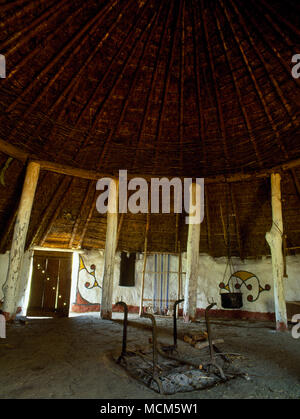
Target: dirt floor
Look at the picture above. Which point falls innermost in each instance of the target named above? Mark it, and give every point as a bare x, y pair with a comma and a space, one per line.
72, 358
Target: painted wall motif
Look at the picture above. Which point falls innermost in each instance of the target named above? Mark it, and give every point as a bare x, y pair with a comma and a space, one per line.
211, 272
88, 292
253, 276
245, 282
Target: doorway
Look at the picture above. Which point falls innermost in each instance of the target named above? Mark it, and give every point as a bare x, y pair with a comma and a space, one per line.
50, 284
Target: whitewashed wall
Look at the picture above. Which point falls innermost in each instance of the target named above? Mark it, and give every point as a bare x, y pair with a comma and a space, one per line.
211, 273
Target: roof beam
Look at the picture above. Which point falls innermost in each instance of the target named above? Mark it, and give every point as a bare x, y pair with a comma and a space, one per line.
68, 170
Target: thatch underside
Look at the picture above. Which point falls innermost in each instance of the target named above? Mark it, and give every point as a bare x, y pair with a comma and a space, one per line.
174, 88
64, 215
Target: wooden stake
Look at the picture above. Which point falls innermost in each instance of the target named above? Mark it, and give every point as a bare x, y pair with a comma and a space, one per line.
145, 262
190, 297
274, 239
179, 272
110, 251
179, 292
11, 287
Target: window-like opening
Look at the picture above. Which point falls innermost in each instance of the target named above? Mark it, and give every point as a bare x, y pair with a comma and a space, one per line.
127, 269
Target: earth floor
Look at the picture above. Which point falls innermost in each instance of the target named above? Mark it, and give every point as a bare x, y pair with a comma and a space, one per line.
71, 358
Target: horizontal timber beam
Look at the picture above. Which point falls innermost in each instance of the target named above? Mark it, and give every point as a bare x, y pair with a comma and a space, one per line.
68, 170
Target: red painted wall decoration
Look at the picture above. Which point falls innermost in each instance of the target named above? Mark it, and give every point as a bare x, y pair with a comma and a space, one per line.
88, 289
247, 283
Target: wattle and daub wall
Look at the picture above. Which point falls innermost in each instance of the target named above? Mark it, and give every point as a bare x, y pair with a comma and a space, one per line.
254, 280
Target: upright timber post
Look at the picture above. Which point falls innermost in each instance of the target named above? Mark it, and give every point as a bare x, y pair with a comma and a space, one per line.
12, 284
110, 250
274, 239
144, 265
190, 295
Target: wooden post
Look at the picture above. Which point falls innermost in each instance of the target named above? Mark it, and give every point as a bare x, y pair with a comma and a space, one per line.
144, 264
179, 279
179, 272
274, 239
110, 251
11, 287
190, 295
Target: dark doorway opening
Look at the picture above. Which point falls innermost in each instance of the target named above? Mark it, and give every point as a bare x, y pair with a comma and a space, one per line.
50, 284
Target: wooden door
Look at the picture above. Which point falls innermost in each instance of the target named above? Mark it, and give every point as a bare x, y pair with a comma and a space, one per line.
50, 284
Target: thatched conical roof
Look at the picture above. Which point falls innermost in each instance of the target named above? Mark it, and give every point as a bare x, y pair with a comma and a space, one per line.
173, 88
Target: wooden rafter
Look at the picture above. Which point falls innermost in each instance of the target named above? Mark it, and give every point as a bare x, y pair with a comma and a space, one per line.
198, 83
152, 84
216, 87
131, 88
165, 89
296, 181
87, 221
34, 103
110, 92
67, 184
54, 200
256, 85
181, 96
262, 60
239, 95
237, 220
86, 30
12, 4
67, 94
62, 6
54, 7
80, 213
75, 226
285, 21
272, 46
